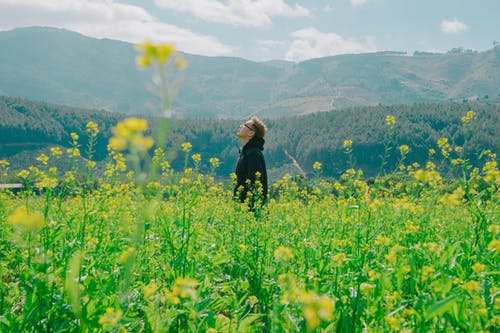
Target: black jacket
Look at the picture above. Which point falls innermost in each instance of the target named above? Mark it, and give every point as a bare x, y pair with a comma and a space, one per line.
250, 162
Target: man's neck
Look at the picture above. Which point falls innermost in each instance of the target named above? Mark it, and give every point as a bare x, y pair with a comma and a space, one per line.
244, 141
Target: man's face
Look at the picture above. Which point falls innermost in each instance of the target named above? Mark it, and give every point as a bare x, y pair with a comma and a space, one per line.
246, 129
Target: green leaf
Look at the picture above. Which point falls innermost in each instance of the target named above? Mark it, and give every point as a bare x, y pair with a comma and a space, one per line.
72, 283
440, 307
248, 323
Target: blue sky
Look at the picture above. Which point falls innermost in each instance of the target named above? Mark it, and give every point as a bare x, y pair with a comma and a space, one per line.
259, 30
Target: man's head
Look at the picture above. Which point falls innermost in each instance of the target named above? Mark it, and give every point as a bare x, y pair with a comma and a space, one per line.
253, 127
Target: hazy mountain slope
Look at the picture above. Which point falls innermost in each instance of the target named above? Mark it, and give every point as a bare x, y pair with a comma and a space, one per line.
60, 66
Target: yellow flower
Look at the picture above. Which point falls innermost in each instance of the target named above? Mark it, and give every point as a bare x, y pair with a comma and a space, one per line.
339, 258
92, 128
471, 286
110, 318
180, 63
47, 182
317, 166
403, 149
160, 53
196, 158
390, 120
134, 124
73, 152
56, 151
316, 308
427, 272
171, 298
128, 253
186, 147
23, 174
128, 134
141, 143
347, 144
153, 185
43, 159
69, 177
495, 229
283, 254
430, 177
478, 267
468, 117
150, 290
442, 142
430, 166
381, 240
214, 162
164, 51
453, 199
29, 221
4, 163
185, 288
394, 323
165, 166
143, 61
494, 245
491, 172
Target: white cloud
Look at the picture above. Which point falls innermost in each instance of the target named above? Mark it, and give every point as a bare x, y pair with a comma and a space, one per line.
357, 3
252, 13
453, 27
106, 19
310, 43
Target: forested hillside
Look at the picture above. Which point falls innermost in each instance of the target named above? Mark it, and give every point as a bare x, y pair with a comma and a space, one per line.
28, 128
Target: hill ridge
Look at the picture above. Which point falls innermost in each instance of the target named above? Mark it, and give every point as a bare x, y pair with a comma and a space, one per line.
65, 67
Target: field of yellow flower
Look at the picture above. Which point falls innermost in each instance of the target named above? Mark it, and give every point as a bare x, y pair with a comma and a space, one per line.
141, 248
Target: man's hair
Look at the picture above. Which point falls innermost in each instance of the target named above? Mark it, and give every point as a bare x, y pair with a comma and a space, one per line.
259, 127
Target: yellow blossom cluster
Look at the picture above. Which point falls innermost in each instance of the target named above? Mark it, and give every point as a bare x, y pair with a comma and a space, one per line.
129, 134
92, 129
159, 53
317, 166
26, 220
390, 120
283, 254
445, 147
347, 144
468, 117
315, 308
186, 147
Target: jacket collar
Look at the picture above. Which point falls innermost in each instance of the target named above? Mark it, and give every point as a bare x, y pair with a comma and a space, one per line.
254, 143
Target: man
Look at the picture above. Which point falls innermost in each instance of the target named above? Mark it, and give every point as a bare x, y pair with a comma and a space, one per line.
251, 173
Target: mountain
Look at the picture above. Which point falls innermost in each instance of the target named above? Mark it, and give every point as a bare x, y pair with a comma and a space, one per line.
64, 67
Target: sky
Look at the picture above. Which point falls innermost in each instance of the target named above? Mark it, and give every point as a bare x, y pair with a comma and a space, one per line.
261, 30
